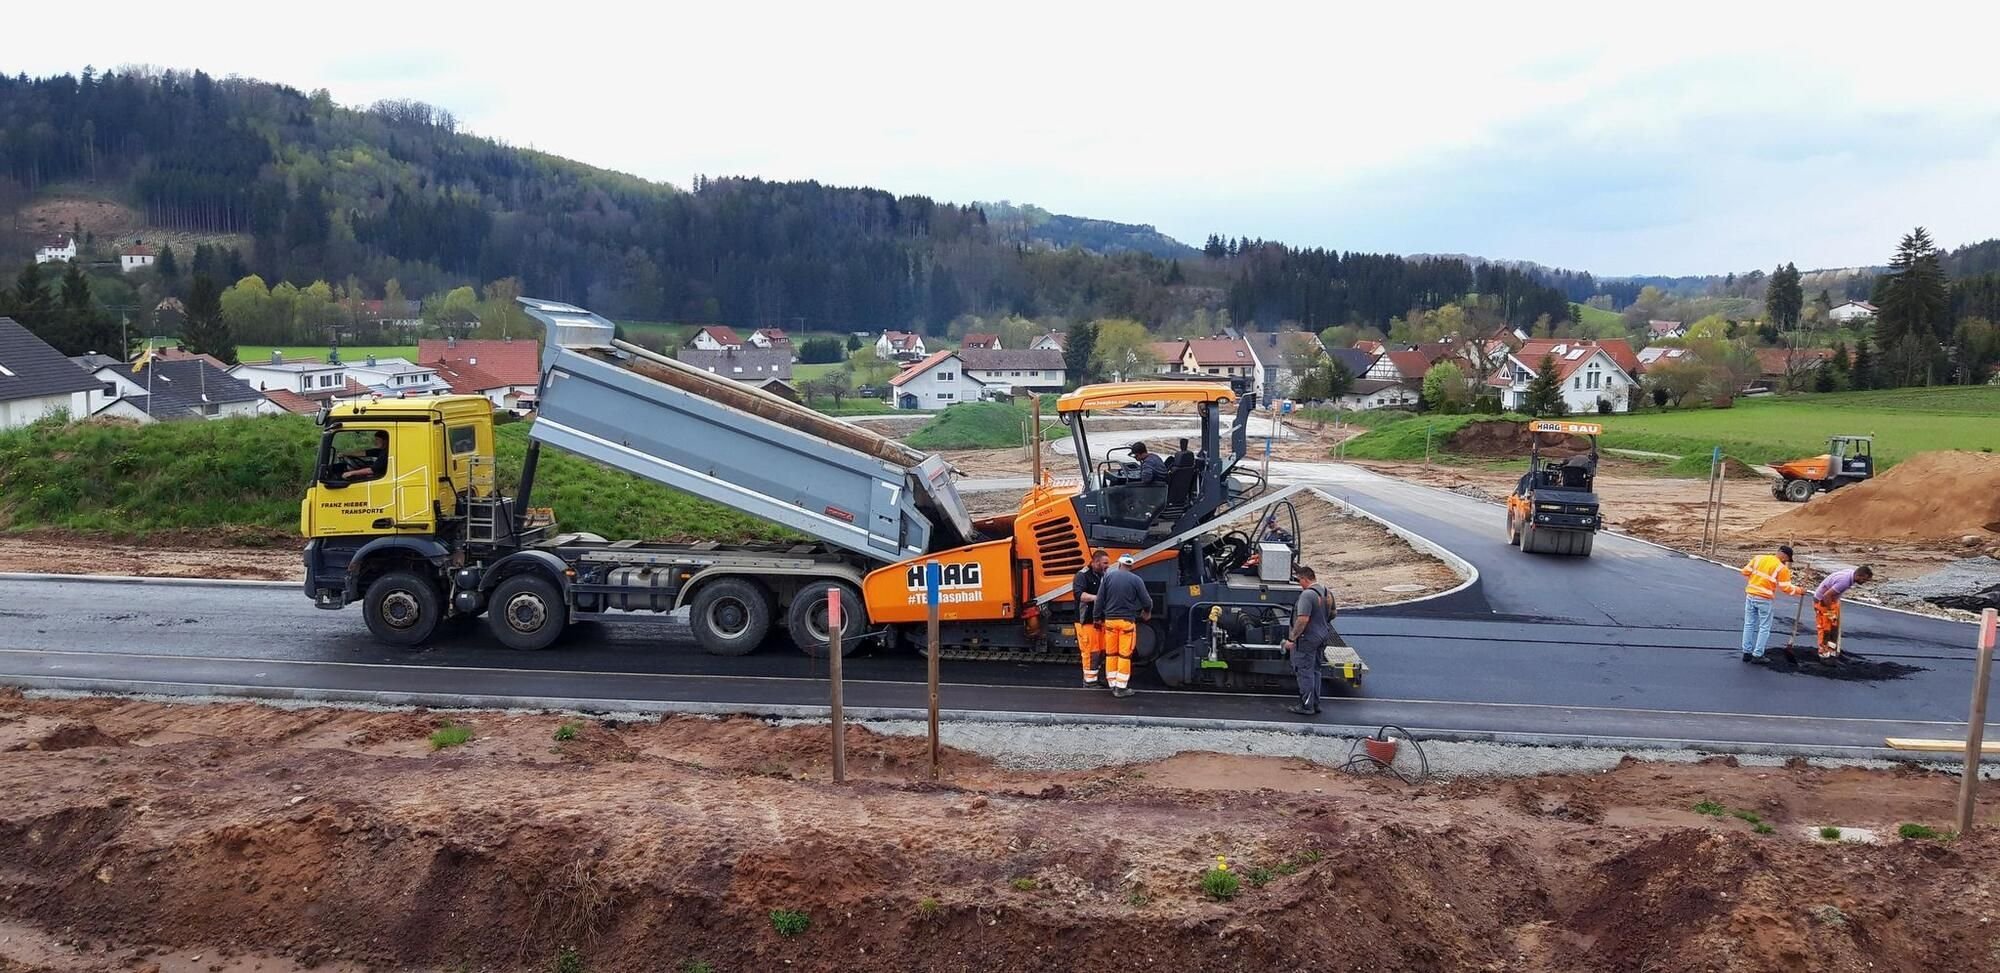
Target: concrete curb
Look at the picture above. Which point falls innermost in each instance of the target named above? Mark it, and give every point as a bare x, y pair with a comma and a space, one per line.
141, 579
1468, 574
440, 701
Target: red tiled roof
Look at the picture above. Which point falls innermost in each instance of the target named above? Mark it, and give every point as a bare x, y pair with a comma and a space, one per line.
1061, 338
1371, 347
467, 379
138, 250
512, 362
901, 339
1221, 352
1621, 352
1169, 352
775, 336
1412, 364
921, 367
292, 402
979, 340
1532, 352
179, 354
721, 333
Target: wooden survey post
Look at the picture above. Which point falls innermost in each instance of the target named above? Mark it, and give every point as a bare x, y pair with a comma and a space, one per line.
933, 578
833, 624
1975, 726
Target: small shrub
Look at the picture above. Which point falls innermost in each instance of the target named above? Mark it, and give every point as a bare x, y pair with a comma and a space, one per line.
1922, 832
1258, 875
1220, 884
789, 922
1750, 816
1762, 828
1709, 808
928, 907
1024, 885
1138, 898
1309, 856
1830, 833
450, 735
697, 966
568, 731
1829, 914
568, 960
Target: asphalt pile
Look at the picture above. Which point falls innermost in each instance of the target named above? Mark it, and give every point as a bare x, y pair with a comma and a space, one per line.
1971, 585
1947, 497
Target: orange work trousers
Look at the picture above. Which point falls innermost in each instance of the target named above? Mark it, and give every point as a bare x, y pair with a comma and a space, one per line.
1090, 644
1827, 619
1120, 636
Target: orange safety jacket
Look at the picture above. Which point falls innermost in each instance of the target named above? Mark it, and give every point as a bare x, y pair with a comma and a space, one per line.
1768, 575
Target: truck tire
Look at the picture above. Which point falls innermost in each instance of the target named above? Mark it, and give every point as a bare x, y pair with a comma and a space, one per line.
527, 613
1798, 491
806, 619
402, 608
730, 617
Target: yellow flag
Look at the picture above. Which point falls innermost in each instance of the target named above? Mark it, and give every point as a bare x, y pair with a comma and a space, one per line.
145, 358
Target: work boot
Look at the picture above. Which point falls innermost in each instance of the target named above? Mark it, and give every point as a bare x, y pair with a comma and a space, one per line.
1301, 709
1093, 683
1122, 692
1757, 660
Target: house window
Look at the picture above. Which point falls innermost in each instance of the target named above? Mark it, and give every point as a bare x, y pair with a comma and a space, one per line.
947, 395
111, 390
738, 369
946, 376
1577, 382
211, 409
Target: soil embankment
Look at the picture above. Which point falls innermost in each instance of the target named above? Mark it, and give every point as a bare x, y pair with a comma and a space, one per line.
1943, 496
147, 836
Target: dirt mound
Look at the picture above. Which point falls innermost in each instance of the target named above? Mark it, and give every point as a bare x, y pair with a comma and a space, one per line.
41, 733
208, 846
1940, 496
1505, 438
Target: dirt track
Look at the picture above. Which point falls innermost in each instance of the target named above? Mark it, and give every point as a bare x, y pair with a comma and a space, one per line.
147, 836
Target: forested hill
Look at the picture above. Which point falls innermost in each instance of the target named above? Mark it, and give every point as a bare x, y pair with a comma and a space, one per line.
359, 197
1032, 224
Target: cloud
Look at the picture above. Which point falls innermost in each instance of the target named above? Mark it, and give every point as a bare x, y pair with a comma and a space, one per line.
1702, 137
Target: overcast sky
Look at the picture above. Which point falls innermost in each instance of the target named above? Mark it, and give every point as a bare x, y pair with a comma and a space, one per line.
1677, 139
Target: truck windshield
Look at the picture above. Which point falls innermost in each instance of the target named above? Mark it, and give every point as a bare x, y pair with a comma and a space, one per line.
354, 455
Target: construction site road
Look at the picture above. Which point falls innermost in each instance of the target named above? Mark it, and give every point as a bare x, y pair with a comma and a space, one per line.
1633, 646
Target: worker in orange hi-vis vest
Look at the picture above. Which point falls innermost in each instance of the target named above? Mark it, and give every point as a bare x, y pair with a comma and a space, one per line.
1089, 633
1122, 603
1768, 574
1826, 606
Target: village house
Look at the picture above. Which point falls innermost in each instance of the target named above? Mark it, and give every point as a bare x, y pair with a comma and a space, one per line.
517, 365
56, 249
1226, 357
36, 381
1169, 357
900, 345
1376, 393
749, 365
1587, 371
1014, 371
162, 389
397, 378
136, 256
770, 338
934, 383
1848, 312
1657, 329
980, 341
1051, 341
715, 337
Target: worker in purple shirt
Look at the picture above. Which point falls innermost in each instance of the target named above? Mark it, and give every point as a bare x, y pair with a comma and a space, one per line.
1826, 606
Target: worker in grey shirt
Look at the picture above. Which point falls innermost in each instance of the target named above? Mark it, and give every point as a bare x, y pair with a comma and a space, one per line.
1122, 603
1312, 624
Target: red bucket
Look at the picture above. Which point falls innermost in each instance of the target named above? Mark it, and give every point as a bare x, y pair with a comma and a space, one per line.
1381, 750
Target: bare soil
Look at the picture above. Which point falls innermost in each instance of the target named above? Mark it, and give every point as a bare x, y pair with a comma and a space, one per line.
1944, 496
143, 836
1669, 511
251, 555
112, 223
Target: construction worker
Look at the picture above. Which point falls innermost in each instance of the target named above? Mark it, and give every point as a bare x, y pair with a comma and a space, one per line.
1090, 634
1768, 574
1312, 624
1147, 467
1826, 606
1122, 603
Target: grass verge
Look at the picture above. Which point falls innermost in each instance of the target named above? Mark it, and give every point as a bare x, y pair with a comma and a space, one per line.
977, 425
250, 474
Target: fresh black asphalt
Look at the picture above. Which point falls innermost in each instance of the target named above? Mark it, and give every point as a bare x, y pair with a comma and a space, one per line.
1635, 644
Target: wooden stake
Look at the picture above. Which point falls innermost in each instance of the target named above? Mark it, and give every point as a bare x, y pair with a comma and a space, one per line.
1975, 728
833, 670
933, 576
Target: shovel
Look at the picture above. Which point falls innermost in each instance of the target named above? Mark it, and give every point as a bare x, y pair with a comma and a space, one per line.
1800, 613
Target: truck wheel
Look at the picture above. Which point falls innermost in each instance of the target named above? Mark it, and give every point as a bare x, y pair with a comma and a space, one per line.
1798, 491
527, 612
402, 608
807, 621
730, 617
